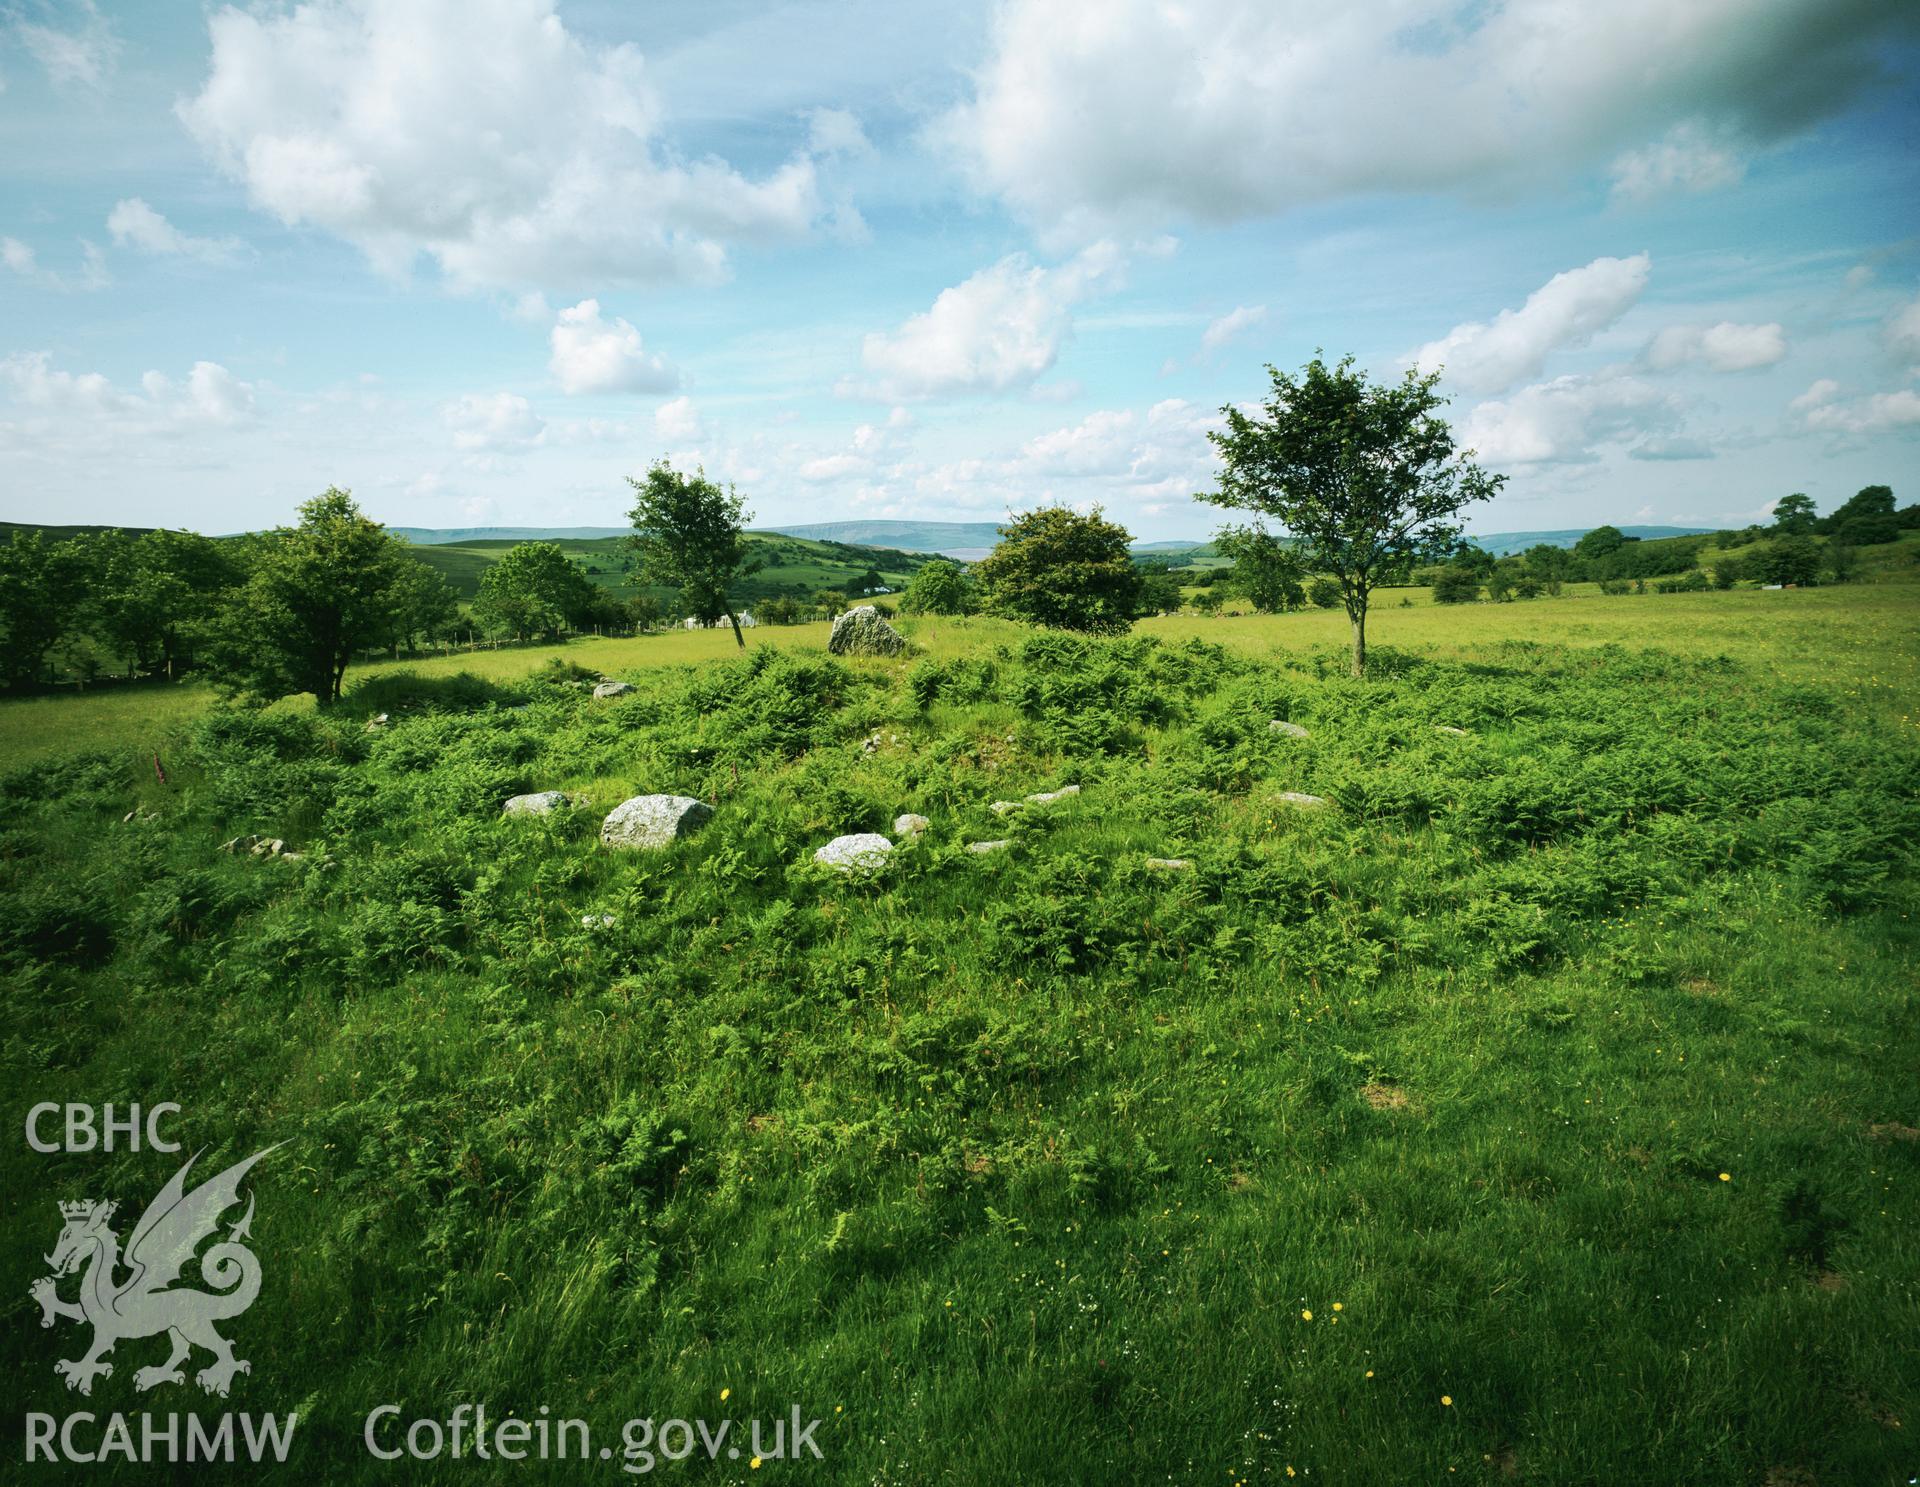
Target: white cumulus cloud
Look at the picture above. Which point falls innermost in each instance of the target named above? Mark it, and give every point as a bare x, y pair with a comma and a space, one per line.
135, 224
1565, 420
1688, 159
1000, 329
1231, 324
493, 421
1725, 347
209, 396
591, 355
1822, 408
1564, 312
677, 418
482, 133
1089, 112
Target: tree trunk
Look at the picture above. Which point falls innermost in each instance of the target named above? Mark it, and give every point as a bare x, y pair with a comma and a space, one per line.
1360, 643
734, 620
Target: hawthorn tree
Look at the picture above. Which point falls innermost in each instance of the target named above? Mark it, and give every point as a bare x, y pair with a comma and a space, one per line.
535, 588
1365, 476
939, 587
689, 536
315, 593
1265, 569
1057, 567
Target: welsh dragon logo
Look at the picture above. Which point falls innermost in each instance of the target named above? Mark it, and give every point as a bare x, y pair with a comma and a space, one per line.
147, 1301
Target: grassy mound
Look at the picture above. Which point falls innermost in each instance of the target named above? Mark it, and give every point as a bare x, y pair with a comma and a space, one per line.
1537, 1103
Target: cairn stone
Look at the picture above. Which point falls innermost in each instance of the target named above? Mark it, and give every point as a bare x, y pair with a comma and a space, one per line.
540, 803
864, 852
649, 821
862, 631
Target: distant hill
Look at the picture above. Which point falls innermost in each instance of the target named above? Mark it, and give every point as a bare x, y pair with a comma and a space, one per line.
445, 536
956, 538
1500, 544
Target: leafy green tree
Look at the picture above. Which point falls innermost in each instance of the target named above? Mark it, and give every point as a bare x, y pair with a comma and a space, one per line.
1207, 601
869, 581
1548, 563
1365, 475
688, 533
315, 594
779, 610
428, 607
1456, 585
940, 587
151, 596
1057, 567
535, 589
1160, 593
1323, 592
1265, 569
1788, 560
1839, 562
41, 587
1600, 542
831, 601
1728, 571
1794, 515
1867, 531
1869, 502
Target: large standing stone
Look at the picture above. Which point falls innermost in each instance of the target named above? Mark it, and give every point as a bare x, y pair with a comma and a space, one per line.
540, 803
653, 820
863, 852
861, 631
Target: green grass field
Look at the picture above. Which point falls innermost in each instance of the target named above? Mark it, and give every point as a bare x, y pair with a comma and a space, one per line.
1540, 1107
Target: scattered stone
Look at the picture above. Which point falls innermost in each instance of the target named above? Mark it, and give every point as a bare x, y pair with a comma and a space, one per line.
1300, 798
597, 921
910, 824
862, 631
239, 844
1445, 728
985, 847
1170, 864
141, 816
613, 689
293, 856
653, 821
1002, 807
1286, 729
376, 722
1048, 797
270, 846
540, 803
862, 852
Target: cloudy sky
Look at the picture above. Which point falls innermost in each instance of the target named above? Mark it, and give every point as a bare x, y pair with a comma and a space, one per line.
479, 259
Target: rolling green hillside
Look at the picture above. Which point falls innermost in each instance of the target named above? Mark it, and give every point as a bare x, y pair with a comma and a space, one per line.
795, 566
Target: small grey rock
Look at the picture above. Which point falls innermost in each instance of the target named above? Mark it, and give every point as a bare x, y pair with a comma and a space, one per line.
1048, 797
862, 852
1444, 728
1304, 801
270, 846
648, 821
1003, 807
597, 921
1170, 864
540, 803
910, 824
376, 722
239, 844
613, 689
862, 631
1286, 729
985, 847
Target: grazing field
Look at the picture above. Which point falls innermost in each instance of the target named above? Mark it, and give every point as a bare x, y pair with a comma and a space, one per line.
1859, 639
1533, 1100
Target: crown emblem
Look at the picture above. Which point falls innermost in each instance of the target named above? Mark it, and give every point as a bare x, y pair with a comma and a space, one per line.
85, 1207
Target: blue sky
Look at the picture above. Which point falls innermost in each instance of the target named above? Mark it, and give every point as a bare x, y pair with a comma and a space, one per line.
477, 261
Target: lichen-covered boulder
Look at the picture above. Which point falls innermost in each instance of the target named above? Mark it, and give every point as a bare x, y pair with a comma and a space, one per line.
910, 824
613, 689
864, 852
653, 820
983, 848
1286, 729
1301, 799
540, 803
1170, 864
1048, 797
862, 631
